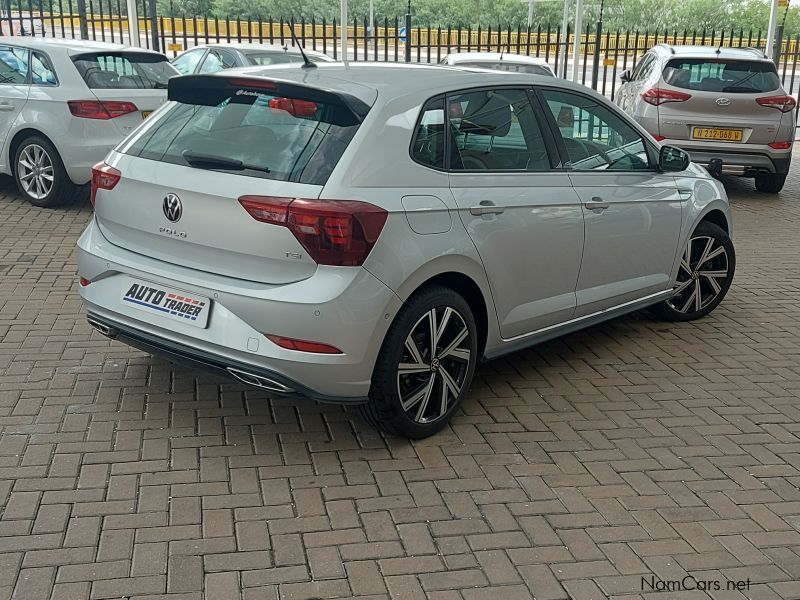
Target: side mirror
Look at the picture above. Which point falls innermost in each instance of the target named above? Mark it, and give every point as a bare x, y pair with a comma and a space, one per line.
673, 159
625, 76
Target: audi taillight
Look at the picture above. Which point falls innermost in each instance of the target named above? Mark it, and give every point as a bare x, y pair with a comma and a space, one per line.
657, 96
782, 103
104, 177
100, 109
333, 232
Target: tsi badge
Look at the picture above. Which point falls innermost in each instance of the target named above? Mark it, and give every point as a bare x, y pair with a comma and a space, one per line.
173, 210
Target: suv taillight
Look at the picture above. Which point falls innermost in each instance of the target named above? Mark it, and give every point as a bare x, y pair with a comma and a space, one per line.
100, 109
657, 96
104, 177
333, 232
782, 103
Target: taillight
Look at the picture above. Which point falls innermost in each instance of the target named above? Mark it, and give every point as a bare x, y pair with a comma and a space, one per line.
293, 106
659, 138
780, 145
100, 109
104, 177
302, 345
782, 103
333, 232
657, 96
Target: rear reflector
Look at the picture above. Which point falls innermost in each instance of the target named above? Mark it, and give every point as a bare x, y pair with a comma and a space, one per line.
657, 96
84, 282
302, 345
781, 145
104, 177
782, 103
333, 232
100, 109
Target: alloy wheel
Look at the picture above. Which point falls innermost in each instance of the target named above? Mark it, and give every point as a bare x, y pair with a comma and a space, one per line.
434, 364
703, 269
35, 171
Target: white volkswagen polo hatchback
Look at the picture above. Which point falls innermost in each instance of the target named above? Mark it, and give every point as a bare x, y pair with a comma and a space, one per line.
367, 234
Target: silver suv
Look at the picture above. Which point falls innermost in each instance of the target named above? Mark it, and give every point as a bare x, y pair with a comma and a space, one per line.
366, 234
715, 103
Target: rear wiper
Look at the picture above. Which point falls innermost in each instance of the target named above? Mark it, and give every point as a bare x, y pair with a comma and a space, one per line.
210, 161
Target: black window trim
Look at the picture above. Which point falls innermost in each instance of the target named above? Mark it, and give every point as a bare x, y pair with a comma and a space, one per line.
557, 163
650, 148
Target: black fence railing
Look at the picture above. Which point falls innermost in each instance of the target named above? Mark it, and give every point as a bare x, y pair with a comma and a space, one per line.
603, 57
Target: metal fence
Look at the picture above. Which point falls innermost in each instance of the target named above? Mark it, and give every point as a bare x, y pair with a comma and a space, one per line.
604, 54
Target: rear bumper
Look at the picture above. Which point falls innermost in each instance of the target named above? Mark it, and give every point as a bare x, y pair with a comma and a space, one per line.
740, 161
254, 375
342, 306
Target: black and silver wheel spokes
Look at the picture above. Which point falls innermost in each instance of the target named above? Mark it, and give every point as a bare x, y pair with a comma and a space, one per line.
703, 269
434, 364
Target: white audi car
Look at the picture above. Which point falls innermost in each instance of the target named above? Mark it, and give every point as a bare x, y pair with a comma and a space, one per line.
366, 234
65, 103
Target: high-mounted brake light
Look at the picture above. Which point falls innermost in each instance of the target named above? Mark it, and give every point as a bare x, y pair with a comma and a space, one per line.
261, 84
302, 345
104, 177
293, 106
782, 103
100, 109
658, 96
333, 232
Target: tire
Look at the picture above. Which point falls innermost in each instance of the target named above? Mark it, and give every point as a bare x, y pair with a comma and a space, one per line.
770, 183
410, 404
698, 283
34, 160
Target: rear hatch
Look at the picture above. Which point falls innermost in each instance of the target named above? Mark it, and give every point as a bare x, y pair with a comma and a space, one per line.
182, 175
716, 99
130, 84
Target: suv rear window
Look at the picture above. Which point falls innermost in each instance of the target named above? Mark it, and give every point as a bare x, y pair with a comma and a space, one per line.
722, 75
256, 133
124, 70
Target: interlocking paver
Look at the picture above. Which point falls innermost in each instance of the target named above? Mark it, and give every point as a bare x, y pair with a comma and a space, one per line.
629, 450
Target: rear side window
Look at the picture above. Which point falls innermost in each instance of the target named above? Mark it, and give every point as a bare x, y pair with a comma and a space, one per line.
722, 75
13, 65
124, 70
429, 139
42, 72
255, 133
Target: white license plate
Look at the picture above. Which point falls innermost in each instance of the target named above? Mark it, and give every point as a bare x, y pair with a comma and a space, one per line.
185, 307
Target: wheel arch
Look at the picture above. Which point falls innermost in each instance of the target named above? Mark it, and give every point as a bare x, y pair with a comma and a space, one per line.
18, 138
718, 218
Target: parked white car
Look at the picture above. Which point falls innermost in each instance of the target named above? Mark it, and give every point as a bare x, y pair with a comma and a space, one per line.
499, 61
210, 58
65, 103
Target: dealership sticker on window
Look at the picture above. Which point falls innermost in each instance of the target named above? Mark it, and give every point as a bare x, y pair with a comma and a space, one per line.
167, 302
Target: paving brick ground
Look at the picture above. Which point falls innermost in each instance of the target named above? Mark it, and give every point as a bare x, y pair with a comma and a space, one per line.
634, 449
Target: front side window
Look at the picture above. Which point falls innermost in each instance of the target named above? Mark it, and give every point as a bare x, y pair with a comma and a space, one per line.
252, 133
429, 139
187, 62
496, 130
217, 60
13, 65
124, 70
722, 75
595, 137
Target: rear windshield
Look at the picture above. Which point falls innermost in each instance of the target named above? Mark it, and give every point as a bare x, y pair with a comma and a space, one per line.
508, 66
124, 70
254, 133
721, 75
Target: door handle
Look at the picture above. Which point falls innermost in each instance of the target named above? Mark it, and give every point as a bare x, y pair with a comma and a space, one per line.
486, 207
597, 203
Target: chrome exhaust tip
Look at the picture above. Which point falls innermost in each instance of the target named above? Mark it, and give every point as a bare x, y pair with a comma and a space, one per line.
259, 381
106, 330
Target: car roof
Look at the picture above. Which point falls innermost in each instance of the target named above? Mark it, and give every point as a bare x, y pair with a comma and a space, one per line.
245, 46
694, 51
69, 45
364, 79
458, 57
